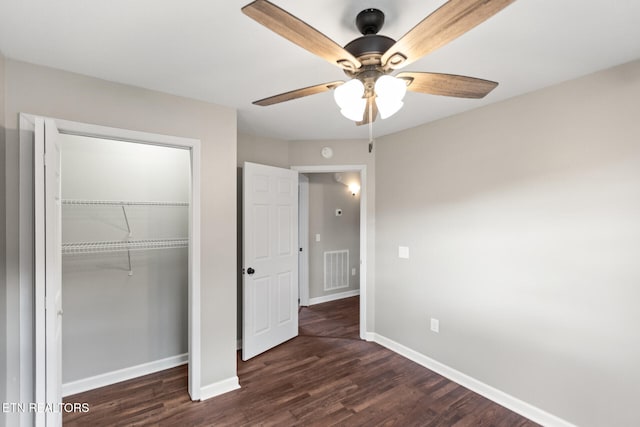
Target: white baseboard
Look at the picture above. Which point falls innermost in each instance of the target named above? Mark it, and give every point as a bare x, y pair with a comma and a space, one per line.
516, 405
221, 387
113, 377
333, 297
370, 336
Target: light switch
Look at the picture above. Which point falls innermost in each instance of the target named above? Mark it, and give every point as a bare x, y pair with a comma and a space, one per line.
403, 252
317, 237
353, 271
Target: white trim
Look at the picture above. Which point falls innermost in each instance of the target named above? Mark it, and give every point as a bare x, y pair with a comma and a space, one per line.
328, 168
510, 402
303, 239
113, 377
39, 270
220, 387
334, 297
362, 169
370, 336
194, 305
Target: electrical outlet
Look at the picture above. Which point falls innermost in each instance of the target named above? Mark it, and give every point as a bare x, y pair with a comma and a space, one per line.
435, 325
403, 252
317, 237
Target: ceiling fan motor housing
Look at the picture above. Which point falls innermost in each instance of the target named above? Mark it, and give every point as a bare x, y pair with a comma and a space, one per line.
370, 21
370, 46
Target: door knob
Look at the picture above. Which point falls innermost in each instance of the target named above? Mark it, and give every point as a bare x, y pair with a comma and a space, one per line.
250, 271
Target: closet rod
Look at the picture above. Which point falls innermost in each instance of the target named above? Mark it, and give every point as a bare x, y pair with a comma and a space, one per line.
77, 248
121, 203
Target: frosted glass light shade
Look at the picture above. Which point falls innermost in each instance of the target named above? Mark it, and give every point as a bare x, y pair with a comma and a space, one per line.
389, 94
388, 107
356, 111
349, 98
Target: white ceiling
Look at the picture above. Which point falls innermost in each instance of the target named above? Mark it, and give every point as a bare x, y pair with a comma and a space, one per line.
209, 50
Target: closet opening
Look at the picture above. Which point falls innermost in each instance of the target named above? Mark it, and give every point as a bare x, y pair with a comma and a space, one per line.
117, 255
125, 222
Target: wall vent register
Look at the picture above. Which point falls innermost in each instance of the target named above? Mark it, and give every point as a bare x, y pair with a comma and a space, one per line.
336, 269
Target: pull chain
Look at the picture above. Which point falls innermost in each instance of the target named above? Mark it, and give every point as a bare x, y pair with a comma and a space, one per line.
370, 124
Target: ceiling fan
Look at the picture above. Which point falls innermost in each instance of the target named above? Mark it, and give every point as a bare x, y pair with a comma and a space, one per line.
370, 59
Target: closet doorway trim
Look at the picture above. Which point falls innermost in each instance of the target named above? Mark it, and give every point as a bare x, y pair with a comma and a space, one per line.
27, 122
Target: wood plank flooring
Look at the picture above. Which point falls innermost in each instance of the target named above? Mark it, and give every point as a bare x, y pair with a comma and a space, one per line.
324, 377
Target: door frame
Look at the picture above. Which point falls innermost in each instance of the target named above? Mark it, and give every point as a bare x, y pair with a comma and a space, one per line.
34, 314
303, 240
362, 169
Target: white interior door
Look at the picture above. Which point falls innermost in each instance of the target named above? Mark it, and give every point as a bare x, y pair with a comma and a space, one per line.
48, 279
270, 264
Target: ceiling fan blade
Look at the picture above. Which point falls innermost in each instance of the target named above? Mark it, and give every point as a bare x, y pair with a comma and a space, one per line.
298, 93
300, 33
447, 84
448, 22
371, 107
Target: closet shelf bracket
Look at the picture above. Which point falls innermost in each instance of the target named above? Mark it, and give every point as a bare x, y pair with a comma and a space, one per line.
129, 258
124, 212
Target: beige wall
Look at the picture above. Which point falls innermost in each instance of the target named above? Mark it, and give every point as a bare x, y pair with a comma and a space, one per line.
266, 151
522, 220
58, 94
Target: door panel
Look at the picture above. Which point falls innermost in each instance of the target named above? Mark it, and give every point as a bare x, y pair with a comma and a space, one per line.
284, 230
284, 294
270, 292
261, 311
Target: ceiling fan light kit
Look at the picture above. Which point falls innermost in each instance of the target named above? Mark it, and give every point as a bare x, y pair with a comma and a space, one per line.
370, 59
350, 99
389, 94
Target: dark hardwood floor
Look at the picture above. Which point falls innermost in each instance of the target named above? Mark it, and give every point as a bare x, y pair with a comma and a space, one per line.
326, 376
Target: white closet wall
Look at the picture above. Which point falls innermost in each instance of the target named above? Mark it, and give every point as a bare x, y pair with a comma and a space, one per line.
113, 320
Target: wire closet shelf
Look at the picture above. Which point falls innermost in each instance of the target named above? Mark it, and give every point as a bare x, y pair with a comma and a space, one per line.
78, 248
121, 203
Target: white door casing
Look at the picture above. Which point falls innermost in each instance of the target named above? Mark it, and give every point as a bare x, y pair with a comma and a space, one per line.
48, 327
303, 239
270, 264
53, 278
